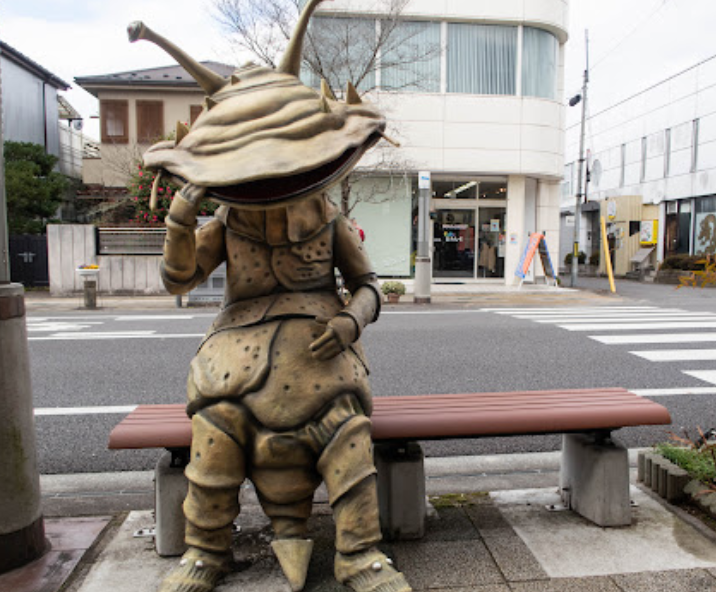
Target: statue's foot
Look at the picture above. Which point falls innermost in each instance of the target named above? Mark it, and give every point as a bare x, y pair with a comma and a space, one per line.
369, 571
198, 571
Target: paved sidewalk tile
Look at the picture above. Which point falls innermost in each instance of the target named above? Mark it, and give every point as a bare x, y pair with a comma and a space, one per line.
667, 581
601, 584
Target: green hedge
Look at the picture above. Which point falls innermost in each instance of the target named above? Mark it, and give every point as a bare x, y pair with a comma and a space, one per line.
683, 262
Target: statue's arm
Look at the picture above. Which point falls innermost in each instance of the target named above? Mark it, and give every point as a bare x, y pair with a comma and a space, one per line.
360, 279
190, 254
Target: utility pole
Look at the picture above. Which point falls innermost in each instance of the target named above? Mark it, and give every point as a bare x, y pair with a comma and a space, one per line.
422, 259
22, 528
579, 195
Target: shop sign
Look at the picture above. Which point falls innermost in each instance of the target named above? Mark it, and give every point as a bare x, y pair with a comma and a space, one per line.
424, 180
611, 209
495, 225
537, 243
569, 221
648, 232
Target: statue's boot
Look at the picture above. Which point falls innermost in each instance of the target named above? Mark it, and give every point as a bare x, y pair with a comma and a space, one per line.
348, 470
198, 571
294, 555
369, 571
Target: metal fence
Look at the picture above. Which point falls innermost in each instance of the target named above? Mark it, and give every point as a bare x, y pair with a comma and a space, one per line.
130, 241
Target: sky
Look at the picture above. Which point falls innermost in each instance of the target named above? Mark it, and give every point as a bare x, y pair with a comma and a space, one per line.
633, 44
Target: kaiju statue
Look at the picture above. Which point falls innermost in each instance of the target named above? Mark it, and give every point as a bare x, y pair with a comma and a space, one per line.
278, 392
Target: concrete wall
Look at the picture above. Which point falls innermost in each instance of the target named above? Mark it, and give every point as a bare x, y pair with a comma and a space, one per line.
72, 245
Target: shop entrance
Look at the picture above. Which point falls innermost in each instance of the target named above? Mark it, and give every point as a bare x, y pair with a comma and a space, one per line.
469, 243
454, 243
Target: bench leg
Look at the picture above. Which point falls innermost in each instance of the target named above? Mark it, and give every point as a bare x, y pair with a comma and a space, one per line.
401, 489
594, 479
170, 488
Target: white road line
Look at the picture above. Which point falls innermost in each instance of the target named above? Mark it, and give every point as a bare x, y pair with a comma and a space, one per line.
676, 392
677, 355
556, 310
155, 318
639, 326
627, 319
658, 338
108, 336
705, 375
84, 410
430, 312
603, 313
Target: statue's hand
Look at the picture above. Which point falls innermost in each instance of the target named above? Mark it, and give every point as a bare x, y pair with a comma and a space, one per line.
340, 332
185, 204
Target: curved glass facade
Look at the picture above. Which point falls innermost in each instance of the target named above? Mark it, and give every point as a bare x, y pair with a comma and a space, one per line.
425, 56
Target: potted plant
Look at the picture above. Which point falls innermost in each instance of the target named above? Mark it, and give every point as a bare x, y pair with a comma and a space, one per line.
393, 290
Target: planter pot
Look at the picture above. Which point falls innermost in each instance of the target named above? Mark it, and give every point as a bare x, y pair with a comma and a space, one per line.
393, 298
88, 273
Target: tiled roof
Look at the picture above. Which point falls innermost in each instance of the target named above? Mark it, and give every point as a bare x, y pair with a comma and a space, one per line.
166, 76
32, 66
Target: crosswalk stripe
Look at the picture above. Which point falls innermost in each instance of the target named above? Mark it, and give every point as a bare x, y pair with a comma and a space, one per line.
675, 392
658, 338
43, 411
555, 310
677, 355
639, 326
626, 319
705, 375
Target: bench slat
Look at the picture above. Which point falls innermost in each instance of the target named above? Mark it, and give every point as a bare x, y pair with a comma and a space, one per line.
423, 417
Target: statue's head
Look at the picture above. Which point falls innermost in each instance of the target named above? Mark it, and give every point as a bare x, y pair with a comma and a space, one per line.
263, 136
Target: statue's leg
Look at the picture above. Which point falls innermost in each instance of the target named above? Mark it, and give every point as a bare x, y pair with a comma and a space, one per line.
283, 471
215, 472
346, 465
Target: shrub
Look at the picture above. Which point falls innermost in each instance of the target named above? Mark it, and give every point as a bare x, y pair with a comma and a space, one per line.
393, 288
684, 262
581, 258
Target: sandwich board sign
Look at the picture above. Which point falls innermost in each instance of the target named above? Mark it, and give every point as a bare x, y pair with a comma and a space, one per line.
536, 244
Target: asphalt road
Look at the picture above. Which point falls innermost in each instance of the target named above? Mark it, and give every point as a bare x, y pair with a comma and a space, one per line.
84, 362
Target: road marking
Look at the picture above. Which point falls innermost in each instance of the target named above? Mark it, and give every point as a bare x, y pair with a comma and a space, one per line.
639, 326
625, 319
557, 310
599, 314
48, 327
109, 336
658, 338
44, 411
677, 355
705, 375
675, 392
156, 317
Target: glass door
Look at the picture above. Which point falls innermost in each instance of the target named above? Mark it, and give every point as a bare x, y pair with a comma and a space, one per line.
491, 242
454, 243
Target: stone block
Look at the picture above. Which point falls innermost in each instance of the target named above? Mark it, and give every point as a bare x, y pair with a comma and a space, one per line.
170, 488
401, 489
594, 479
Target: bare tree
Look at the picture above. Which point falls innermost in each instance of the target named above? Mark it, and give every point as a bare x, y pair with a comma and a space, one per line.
340, 49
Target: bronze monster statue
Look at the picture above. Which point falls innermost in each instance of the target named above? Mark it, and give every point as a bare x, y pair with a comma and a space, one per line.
278, 391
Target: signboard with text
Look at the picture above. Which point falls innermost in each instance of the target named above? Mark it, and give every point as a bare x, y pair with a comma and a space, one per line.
536, 244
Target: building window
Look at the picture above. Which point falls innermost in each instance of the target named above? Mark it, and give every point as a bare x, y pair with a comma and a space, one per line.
194, 112
353, 57
622, 171
695, 146
114, 117
539, 63
410, 60
482, 59
667, 152
150, 121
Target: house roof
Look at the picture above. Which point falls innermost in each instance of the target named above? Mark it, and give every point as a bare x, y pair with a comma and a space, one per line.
66, 110
31, 66
168, 76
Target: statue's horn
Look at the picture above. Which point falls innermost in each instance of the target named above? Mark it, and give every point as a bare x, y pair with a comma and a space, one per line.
209, 80
291, 62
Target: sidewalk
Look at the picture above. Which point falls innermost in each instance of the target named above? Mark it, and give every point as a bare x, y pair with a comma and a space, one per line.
455, 293
491, 529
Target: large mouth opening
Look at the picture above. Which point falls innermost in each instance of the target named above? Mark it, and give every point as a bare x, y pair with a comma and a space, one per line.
285, 188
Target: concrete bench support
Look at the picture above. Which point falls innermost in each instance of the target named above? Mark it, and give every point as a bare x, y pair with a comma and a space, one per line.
594, 478
170, 487
401, 489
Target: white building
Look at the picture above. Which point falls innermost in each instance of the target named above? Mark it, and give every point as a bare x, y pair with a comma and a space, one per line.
652, 160
487, 123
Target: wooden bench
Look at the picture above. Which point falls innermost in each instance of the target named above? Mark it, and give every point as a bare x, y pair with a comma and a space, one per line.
594, 476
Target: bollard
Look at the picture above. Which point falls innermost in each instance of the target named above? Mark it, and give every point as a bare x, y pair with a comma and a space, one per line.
90, 293
22, 530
